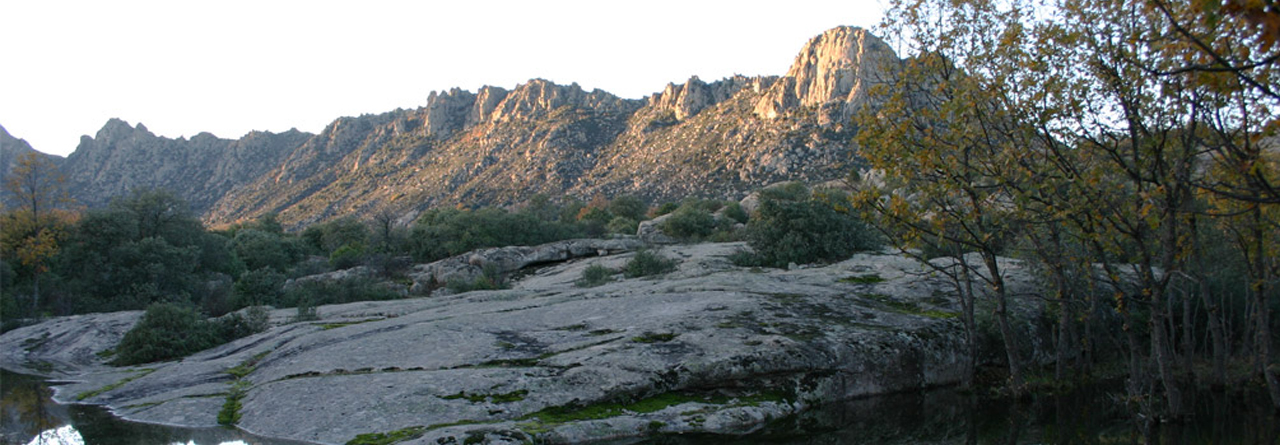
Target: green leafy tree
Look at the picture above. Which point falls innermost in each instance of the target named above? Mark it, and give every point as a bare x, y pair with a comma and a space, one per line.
258, 249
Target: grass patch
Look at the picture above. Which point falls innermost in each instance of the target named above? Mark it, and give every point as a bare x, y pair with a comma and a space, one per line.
652, 337
243, 369
601, 332
343, 324
230, 413
141, 373
573, 327
548, 418
863, 279
908, 308
391, 437
142, 405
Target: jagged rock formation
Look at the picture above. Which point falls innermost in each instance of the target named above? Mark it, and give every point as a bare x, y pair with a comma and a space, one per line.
201, 170
499, 147
710, 347
832, 72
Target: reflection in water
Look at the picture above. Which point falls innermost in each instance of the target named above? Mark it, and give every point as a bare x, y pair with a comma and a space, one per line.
63, 435
29, 416
945, 416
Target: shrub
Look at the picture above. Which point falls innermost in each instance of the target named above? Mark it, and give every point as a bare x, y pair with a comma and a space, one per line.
745, 258
622, 225
236, 325
689, 222
595, 275
627, 206
166, 331
306, 311
260, 249
665, 208
804, 232
787, 191
258, 287
647, 263
347, 256
735, 212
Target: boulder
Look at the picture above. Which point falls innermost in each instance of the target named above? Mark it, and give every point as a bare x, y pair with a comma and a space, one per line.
650, 231
505, 260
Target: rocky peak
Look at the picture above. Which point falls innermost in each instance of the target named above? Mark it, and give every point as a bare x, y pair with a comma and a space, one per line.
838, 65
693, 96
448, 112
539, 96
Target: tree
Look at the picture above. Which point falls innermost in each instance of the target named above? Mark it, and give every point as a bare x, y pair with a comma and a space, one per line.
1091, 127
32, 232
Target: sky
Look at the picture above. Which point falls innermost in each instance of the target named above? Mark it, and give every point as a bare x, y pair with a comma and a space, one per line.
229, 66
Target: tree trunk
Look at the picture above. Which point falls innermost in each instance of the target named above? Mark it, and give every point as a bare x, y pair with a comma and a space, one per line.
964, 287
1016, 381
1260, 272
1217, 338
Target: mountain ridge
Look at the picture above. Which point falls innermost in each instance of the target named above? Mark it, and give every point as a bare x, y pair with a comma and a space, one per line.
499, 146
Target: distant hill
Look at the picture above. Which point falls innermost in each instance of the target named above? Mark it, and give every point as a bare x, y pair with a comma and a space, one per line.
498, 147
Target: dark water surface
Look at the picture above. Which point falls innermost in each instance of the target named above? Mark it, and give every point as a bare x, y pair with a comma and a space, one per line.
933, 417
28, 415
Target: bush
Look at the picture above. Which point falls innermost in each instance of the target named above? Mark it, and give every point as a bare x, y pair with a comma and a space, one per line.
623, 225
745, 258
735, 212
807, 231
665, 208
258, 287
627, 206
236, 325
166, 331
306, 311
647, 263
595, 275
787, 191
690, 223
347, 256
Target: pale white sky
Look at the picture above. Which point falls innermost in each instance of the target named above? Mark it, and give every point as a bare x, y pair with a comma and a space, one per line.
231, 66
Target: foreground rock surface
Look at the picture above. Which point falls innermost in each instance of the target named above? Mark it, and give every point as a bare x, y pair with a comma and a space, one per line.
707, 348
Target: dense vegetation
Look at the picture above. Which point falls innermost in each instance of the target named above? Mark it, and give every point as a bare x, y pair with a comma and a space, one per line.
1125, 148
